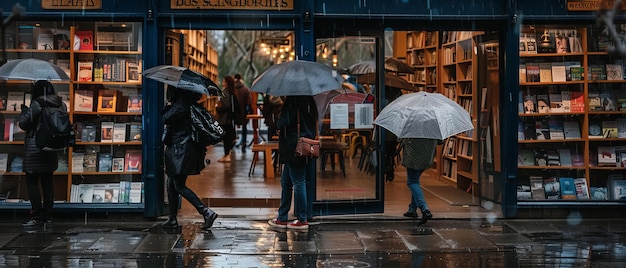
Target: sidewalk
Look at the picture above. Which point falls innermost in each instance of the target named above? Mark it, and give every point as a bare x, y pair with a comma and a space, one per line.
376, 241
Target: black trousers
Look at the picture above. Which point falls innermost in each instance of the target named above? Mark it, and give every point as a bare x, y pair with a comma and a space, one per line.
40, 209
175, 187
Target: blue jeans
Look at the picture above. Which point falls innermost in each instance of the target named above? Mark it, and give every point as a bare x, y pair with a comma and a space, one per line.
417, 196
293, 178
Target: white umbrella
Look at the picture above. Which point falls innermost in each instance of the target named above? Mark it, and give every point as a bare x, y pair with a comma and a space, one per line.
300, 77
183, 78
32, 69
424, 115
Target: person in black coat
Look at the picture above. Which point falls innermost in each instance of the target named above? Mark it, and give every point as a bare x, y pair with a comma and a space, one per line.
226, 110
298, 118
183, 156
39, 165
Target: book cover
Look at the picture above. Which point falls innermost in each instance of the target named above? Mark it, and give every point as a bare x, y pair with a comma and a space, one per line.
117, 164
45, 41
86, 39
107, 99
134, 133
4, 162
571, 130
565, 155
77, 162
556, 103
132, 160
133, 71
124, 191
595, 129
553, 157
543, 103
17, 164
119, 132
582, 192
522, 73
520, 131
106, 131
17, 133
558, 72
621, 104
84, 71
530, 104
577, 159
609, 129
542, 131
566, 101
90, 162
607, 101
88, 132
614, 72
568, 69
536, 188
545, 72
98, 192
62, 164
86, 193
621, 127
104, 162
568, 189
577, 73
546, 41
606, 156
135, 195
64, 64
617, 186
555, 126
598, 193
15, 99
577, 101
8, 131
83, 100
531, 43
552, 188
526, 157
622, 158
25, 36
532, 72
597, 72
595, 103
112, 193
3, 102
523, 192
541, 157
65, 97
135, 103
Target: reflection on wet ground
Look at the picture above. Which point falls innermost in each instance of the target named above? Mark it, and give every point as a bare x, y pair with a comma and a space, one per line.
329, 243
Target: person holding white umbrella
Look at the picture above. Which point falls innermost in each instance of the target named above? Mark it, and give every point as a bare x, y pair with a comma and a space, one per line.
417, 156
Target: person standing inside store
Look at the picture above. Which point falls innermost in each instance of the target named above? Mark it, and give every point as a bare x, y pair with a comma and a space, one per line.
39, 165
270, 111
183, 156
298, 118
225, 111
245, 106
417, 156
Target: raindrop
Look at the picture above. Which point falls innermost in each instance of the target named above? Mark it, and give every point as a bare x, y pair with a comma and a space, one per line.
574, 218
488, 205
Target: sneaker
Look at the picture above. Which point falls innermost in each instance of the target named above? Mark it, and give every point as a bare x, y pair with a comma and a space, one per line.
277, 223
298, 225
426, 215
410, 214
32, 223
225, 158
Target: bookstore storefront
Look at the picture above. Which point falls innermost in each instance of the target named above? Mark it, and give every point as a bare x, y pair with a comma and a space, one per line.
483, 55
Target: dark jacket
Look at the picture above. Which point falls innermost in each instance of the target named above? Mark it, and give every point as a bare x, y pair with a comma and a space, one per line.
182, 155
36, 160
224, 110
288, 126
243, 97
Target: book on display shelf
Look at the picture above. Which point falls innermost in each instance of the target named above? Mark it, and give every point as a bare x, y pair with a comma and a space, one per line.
107, 100
543, 103
112, 193
45, 41
90, 162
15, 99
541, 157
106, 132
135, 103
86, 193
614, 72
582, 192
77, 162
568, 69
88, 132
607, 101
98, 192
530, 104
616, 186
83, 100
526, 157
523, 192
568, 188
134, 132
85, 71
132, 160
545, 72
553, 157
594, 101
571, 130
536, 188
566, 101
135, 194
552, 188
609, 129
86, 39
104, 162
532, 72
4, 162
117, 164
556, 103
124, 191
119, 132
542, 130
555, 126
606, 156
621, 127
522, 73
595, 129
598, 193
558, 72
577, 101
565, 156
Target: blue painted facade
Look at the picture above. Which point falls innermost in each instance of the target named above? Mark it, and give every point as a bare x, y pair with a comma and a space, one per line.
327, 18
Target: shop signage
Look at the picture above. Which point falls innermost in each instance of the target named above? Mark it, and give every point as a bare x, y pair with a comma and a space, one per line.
233, 4
592, 5
71, 4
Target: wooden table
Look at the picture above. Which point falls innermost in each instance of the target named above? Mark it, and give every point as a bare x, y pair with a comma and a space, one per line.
268, 164
255, 127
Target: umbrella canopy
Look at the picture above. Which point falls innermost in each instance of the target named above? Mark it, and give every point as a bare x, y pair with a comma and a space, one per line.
391, 64
390, 81
324, 99
300, 77
424, 115
183, 78
32, 69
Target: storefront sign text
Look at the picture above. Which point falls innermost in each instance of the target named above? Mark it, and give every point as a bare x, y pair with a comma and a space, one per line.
591, 5
71, 4
233, 4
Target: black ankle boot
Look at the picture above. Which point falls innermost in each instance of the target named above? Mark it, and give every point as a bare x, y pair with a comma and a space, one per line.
171, 223
209, 218
426, 215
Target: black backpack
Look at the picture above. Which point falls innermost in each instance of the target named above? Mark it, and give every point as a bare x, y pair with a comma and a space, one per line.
54, 131
205, 129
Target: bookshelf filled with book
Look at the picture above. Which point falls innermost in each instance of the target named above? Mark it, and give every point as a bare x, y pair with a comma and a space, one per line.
569, 115
422, 53
104, 100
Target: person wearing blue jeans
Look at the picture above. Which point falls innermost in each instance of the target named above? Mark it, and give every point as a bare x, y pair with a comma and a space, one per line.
417, 156
298, 118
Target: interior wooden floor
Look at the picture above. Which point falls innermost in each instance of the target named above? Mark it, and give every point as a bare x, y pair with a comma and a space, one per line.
228, 188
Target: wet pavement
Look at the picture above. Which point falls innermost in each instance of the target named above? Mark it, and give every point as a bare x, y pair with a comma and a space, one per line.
330, 242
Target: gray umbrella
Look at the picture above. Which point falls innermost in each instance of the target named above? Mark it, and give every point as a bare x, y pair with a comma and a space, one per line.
183, 78
32, 69
391, 65
298, 77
